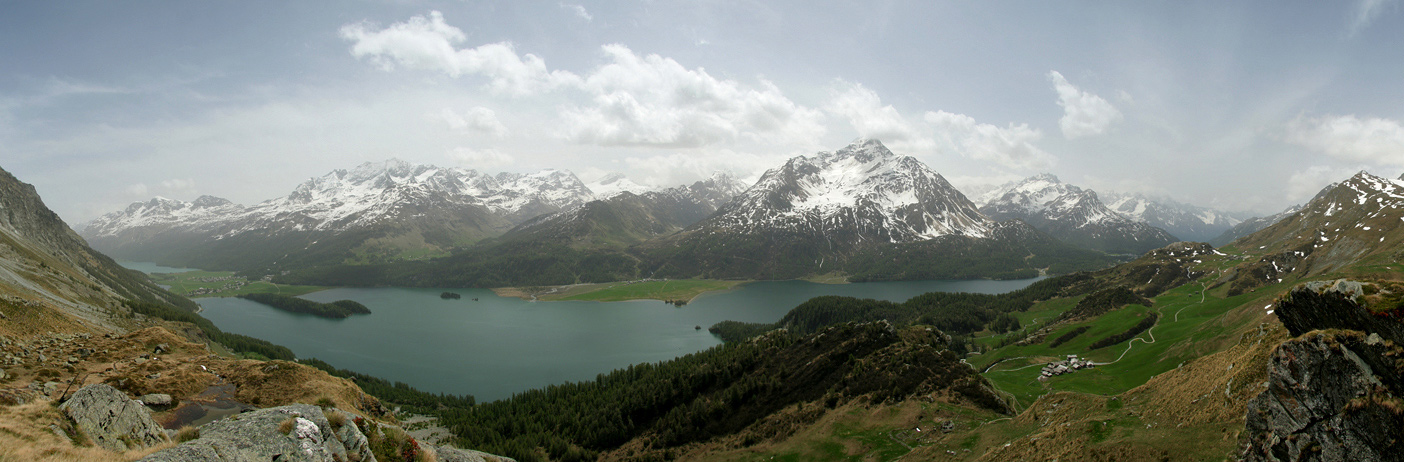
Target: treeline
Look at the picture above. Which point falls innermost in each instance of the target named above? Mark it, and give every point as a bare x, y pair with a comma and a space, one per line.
956, 314
1068, 336
717, 392
1135, 330
336, 310
236, 342
1103, 301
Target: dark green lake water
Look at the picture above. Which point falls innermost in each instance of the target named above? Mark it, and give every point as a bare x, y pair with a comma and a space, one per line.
494, 347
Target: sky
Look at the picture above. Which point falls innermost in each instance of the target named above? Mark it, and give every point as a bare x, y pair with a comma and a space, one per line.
1240, 106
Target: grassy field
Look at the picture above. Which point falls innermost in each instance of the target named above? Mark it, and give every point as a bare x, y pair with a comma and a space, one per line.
1190, 324
197, 284
679, 289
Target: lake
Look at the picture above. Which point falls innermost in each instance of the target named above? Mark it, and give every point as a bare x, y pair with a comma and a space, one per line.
497, 346
151, 268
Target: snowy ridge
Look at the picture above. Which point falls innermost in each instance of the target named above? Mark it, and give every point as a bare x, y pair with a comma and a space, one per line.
1072, 214
864, 187
369, 194
1187, 221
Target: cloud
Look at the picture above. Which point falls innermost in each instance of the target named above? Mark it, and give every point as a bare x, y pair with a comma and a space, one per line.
1371, 140
866, 113
677, 169
1011, 146
579, 11
633, 100
478, 119
480, 158
1304, 184
1366, 11
1084, 114
429, 44
138, 190
655, 101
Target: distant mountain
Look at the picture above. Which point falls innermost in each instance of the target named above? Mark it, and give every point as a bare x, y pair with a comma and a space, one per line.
1185, 221
624, 218
1353, 222
1251, 225
614, 184
1072, 215
50, 280
828, 212
376, 212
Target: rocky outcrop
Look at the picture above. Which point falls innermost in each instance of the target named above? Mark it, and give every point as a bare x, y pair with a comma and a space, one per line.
111, 419
1331, 394
447, 454
297, 432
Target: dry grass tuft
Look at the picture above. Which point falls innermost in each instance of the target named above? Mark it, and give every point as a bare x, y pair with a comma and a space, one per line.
286, 427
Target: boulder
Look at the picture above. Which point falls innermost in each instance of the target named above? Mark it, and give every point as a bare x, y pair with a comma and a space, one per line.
112, 420
156, 399
259, 436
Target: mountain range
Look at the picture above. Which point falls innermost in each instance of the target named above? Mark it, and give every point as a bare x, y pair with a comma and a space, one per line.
808, 216
1073, 215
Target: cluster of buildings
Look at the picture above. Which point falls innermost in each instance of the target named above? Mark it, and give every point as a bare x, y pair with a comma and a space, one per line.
1065, 366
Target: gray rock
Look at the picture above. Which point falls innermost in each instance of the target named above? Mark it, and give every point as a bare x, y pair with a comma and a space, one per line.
112, 420
2, 374
156, 399
447, 454
255, 436
1328, 398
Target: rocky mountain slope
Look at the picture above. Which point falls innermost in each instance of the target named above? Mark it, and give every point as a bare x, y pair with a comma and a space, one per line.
50, 280
1355, 224
1252, 225
1188, 222
1072, 215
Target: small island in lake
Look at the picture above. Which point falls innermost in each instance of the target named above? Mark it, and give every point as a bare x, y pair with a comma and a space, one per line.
450, 295
337, 310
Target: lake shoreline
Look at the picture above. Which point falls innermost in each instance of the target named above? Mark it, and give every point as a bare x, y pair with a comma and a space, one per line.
600, 292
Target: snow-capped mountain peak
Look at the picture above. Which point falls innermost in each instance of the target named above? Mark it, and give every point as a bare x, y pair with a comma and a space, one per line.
864, 189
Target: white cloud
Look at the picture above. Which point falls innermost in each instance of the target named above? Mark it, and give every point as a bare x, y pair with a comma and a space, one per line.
429, 44
1303, 185
655, 101
478, 119
1366, 11
479, 158
579, 11
1011, 146
866, 113
1372, 140
177, 186
633, 100
1084, 114
677, 168
138, 190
